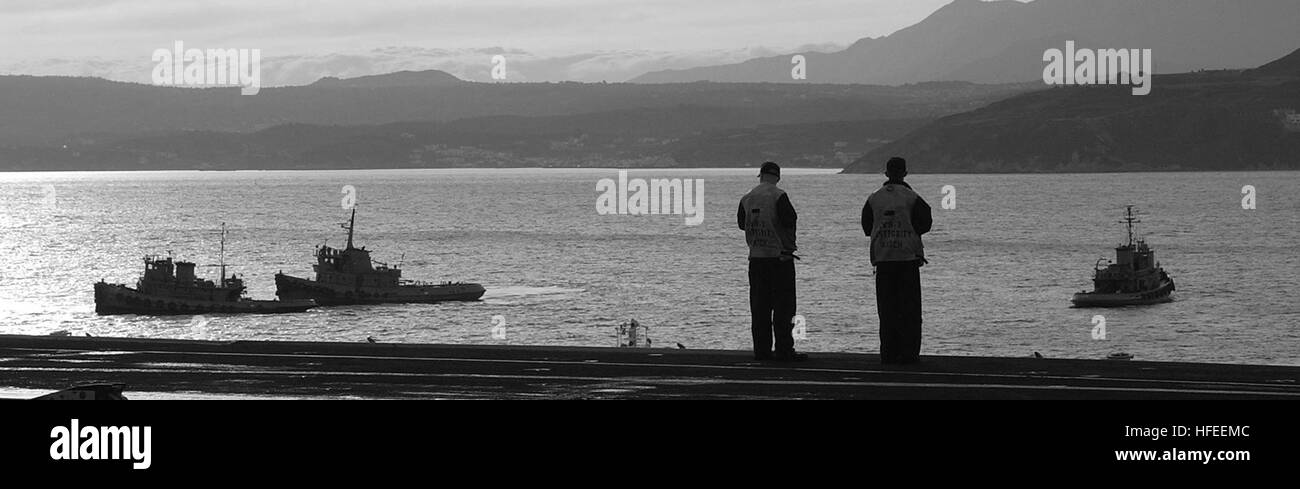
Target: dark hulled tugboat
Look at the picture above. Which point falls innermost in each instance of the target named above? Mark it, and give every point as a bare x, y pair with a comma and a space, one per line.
169, 287
1134, 279
347, 276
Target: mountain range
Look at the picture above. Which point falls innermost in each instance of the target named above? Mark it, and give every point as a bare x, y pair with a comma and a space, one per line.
432, 119
1003, 41
1207, 120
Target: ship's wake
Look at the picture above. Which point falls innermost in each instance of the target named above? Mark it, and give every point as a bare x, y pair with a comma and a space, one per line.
520, 292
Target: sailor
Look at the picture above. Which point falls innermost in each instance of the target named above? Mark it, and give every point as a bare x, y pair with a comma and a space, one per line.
768, 219
895, 217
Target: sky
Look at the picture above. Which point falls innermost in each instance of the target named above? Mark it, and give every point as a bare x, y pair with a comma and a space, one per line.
550, 40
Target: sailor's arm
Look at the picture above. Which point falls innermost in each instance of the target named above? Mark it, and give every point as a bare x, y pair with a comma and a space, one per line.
740, 216
788, 217
921, 218
785, 212
868, 218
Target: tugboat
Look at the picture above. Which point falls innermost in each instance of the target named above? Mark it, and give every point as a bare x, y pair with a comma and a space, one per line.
347, 276
1134, 279
169, 287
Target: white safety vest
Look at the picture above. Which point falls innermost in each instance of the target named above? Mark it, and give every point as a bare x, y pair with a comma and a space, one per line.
892, 235
765, 237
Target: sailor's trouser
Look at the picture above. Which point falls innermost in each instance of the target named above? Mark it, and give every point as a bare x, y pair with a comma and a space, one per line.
772, 305
898, 299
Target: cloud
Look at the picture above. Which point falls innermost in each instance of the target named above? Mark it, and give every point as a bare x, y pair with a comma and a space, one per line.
551, 40
472, 64
121, 28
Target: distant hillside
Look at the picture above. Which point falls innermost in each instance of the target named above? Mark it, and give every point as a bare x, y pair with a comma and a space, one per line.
1003, 41
1286, 66
427, 78
678, 137
1215, 120
53, 111
61, 123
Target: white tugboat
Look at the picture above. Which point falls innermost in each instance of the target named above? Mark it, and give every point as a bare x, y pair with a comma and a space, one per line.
1134, 279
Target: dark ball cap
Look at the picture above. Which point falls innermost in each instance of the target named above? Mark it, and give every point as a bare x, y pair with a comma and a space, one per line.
770, 168
896, 164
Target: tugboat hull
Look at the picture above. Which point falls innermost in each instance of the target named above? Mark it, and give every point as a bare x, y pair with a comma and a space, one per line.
1163, 293
120, 299
295, 288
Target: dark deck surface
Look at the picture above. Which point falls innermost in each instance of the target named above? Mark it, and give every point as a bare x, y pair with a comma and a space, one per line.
420, 371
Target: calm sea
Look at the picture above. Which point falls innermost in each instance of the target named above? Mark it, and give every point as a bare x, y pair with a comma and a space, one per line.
1003, 262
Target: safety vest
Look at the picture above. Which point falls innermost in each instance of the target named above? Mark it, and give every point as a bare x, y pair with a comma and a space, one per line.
892, 235
765, 236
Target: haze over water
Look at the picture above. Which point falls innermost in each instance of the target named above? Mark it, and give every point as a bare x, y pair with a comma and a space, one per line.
1003, 263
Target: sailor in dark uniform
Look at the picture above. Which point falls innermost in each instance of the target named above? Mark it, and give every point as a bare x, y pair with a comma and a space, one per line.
895, 217
768, 219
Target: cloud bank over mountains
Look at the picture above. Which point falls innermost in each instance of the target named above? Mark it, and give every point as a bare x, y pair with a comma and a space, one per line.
472, 64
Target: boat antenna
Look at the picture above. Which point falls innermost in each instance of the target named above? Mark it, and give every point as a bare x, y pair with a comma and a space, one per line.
1129, 218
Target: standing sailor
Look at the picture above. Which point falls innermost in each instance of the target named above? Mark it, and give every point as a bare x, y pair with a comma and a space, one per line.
768, 219
895, 217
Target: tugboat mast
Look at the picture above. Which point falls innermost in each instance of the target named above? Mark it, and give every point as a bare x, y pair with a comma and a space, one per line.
1129, 218
351, 222
223, 255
